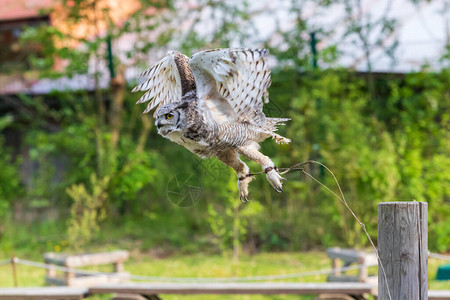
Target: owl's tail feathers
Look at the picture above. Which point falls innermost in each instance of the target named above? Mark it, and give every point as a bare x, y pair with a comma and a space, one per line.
272, 125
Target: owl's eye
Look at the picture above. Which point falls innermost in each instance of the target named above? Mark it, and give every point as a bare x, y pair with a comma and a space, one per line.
169, 116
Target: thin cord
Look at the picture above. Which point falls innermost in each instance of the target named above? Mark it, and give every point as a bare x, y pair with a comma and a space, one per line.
353, 214
298, 167
188, 279
5, 262
204, 279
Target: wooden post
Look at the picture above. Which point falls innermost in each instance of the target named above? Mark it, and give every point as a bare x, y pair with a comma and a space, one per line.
118, 266
336, 264
51, 272
69, 275
403, 250
14, 271
364, 271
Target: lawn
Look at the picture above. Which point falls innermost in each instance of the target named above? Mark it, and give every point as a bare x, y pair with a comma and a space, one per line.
207, 265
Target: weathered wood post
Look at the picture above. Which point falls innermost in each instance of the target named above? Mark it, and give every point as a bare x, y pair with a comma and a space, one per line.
14, 271
403, 250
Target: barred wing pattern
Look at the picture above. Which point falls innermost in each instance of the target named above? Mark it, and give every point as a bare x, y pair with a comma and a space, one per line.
240, 76
163, 85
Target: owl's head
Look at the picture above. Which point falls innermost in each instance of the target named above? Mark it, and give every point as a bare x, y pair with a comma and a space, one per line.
171, 117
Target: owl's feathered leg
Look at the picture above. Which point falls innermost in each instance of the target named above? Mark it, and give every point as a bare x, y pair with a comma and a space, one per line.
231, 158
251, 151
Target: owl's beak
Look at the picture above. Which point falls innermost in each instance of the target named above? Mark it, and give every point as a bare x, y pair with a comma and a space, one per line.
162, 128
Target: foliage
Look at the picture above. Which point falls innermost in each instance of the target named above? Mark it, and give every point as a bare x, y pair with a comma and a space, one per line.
227, 217
378, 154
86, 211
10, 185
385, 138
422, 131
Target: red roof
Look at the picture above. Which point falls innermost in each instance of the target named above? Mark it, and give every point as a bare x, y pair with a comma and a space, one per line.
22, 9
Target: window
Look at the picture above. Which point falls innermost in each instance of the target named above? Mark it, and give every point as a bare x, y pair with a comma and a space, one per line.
13, 55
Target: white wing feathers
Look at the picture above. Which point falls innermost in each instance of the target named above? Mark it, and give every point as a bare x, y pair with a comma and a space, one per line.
230, 83
163, 85
241, 77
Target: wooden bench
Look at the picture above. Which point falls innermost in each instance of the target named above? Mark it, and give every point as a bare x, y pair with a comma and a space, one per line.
439, 295
348, 257
43, 293
116, 258
434, 295
153, 289
149, 291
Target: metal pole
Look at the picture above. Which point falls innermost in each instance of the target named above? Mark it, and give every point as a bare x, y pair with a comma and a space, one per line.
112, 73
314, 49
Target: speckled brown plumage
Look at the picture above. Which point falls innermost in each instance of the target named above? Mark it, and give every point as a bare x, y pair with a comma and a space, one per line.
186, 77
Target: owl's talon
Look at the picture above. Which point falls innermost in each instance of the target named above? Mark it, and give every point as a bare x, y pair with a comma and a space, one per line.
275, 180
244, 199
243, 187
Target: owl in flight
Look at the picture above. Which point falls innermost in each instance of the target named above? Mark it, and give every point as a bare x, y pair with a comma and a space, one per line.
212, 104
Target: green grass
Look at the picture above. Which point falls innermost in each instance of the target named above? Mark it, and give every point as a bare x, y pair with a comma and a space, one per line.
203, 265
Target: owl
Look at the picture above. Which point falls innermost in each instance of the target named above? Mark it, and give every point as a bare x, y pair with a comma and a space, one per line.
212, 104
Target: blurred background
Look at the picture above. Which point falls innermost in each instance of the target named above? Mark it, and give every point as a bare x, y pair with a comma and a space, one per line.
366, 84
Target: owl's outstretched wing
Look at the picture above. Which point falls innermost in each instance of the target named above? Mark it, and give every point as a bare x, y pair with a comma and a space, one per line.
232, 83
168, 81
